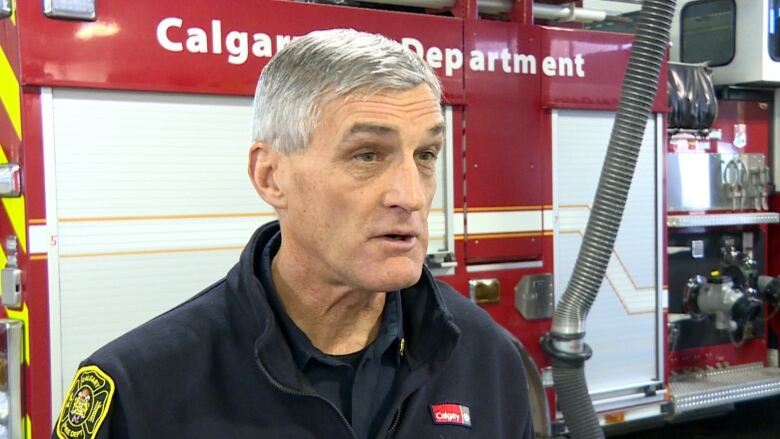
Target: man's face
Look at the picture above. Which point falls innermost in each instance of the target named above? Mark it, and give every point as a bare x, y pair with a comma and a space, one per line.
357, 200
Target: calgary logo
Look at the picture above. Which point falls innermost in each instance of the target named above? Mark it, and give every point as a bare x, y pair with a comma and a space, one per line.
451, 414
86, 404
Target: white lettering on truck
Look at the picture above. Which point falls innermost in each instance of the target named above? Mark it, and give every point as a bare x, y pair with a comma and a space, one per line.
162, 34
452, 57
239, 46
236, 43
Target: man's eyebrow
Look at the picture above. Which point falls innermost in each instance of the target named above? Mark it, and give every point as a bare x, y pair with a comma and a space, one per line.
370, 128
436, 129
385, 131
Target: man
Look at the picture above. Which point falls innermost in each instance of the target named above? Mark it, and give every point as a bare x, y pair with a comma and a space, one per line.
329, 326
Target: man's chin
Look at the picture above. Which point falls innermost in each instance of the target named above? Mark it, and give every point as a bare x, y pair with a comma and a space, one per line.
391, 278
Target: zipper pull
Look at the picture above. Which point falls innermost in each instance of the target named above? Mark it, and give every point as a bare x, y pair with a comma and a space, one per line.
402, 347
394, 425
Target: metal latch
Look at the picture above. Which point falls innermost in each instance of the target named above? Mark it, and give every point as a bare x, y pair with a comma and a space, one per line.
484, 291
440, 260
10, 180
534, 296
11, 277
70, 9
5, 8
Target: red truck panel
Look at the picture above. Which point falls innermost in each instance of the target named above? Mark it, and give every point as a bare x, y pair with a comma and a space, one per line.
122, 49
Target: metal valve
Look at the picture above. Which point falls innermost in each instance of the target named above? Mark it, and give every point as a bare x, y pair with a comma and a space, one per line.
739, 266
769, 288
733, 309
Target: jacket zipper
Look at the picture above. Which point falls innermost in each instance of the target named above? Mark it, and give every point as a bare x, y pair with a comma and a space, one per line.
396, 420
294, 392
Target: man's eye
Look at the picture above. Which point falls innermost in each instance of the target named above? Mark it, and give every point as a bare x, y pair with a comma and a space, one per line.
366, 157
426, 156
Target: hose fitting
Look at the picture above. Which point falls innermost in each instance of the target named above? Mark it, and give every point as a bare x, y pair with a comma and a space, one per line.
566, 350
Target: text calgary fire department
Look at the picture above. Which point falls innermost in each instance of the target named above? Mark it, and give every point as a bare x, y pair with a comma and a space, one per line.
174, 36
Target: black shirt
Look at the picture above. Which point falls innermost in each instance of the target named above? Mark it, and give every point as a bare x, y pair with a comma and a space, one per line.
359, 384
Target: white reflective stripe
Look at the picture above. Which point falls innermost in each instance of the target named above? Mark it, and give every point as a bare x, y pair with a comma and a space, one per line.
503, 266
458, 223
38, 238
548, 219
504, 222
573, 219
665, 298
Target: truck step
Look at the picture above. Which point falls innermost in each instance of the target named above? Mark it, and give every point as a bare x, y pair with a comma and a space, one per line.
717, 387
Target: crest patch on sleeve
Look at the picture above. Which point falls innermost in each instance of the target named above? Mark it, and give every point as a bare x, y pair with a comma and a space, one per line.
86, 404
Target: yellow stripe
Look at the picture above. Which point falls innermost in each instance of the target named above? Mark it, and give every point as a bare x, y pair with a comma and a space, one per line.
503, 235
163, 217
499, 235
149, 252
9, 96
9, 93
504, 208
460, 237
14, 208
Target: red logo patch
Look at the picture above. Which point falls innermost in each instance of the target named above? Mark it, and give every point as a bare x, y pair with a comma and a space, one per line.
451, 414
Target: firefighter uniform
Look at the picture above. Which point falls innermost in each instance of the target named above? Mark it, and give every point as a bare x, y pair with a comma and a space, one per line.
220, 366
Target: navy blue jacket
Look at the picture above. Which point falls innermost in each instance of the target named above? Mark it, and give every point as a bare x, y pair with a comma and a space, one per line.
217, 366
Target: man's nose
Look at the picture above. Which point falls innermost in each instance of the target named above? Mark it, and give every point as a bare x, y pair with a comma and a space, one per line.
406, 187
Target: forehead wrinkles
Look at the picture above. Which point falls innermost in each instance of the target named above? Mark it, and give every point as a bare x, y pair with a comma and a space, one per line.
404, 109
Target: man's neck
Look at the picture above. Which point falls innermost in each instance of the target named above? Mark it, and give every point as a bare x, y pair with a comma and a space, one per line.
337, 320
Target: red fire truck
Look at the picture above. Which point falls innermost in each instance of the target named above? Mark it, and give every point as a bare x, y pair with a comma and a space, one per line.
125, 128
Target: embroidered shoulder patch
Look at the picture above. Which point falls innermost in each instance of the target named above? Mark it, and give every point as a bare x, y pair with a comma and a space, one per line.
86, 404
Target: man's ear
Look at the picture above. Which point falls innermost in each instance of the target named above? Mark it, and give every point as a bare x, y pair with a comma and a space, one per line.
265, 174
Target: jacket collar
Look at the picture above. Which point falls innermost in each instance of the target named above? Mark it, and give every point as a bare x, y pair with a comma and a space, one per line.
430, 332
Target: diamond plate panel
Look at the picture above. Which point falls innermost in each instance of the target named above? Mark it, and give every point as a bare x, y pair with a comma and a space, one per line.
723, 219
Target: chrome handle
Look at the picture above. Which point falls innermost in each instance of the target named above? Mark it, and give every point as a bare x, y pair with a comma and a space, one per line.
11, 363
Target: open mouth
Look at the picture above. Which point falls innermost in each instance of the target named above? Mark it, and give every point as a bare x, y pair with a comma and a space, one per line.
395, 237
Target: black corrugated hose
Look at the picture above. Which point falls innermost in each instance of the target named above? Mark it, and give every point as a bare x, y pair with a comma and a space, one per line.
564, 343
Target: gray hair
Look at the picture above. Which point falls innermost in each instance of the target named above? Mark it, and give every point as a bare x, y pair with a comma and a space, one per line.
322, 66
